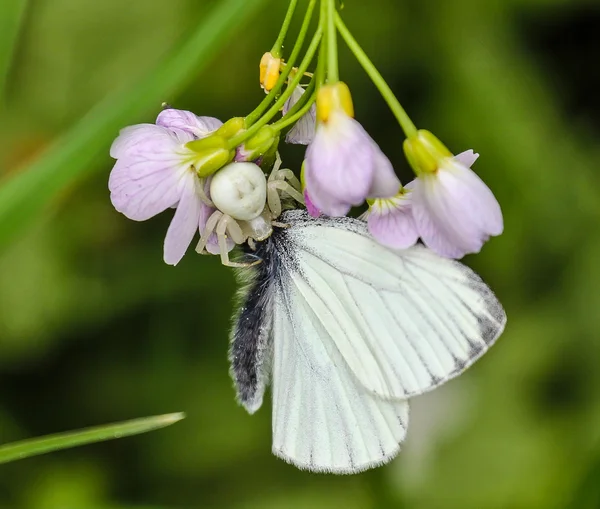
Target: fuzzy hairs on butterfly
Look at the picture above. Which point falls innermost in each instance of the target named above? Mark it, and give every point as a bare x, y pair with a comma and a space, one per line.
250, 350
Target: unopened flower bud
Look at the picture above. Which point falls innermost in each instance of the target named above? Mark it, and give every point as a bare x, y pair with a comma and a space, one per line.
270, 68
332, 98
425, 152
210, 154
263, 142
232, 127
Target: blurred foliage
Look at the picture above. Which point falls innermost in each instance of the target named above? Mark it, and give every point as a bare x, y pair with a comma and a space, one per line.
95, 328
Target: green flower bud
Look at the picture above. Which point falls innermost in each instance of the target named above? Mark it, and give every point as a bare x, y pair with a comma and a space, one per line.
263, 143
210, 154
232, 127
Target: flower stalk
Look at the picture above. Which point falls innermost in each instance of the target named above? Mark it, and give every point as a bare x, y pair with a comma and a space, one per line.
278, 45
256, 114
404, 120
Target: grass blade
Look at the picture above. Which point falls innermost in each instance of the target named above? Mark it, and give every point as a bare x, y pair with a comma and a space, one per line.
12, 13
24, 195
42, 445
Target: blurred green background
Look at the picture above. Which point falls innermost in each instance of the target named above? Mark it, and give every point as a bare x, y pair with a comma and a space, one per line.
95, 328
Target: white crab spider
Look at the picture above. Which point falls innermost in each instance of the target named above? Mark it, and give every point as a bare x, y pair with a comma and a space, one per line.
247, 205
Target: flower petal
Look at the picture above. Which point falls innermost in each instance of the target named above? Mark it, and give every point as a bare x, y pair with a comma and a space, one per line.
479, 203
455, 211
310, 207
303, 132
467, 158
199, 127
391, 222
131, 137
385, 182
434, 236
144, 197
340, 164
185, 221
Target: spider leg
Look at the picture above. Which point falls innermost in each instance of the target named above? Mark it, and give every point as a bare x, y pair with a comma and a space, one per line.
221, 230
276, 167
235, 231
209, 228
287, 188
273, 199
288, 175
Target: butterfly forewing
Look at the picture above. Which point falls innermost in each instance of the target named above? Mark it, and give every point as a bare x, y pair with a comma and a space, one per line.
404, 321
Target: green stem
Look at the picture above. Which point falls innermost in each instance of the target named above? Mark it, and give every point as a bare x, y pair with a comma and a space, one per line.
404, 120
310, 53
333, 75
278, 46
293, 116
262, 107
307, 94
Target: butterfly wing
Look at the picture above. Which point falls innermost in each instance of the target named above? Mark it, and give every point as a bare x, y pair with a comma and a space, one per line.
404, 321
324, 420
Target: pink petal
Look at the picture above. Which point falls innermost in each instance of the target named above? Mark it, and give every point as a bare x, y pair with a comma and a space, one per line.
199, 127
434, 236
467, 158
310, 207
145, 196
391, 223
130, 137
455, 212
185, 221
303, 132
385, 182
340, 164
294, 98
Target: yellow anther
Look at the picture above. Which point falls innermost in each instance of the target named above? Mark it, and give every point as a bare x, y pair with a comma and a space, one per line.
332, 98
270, 69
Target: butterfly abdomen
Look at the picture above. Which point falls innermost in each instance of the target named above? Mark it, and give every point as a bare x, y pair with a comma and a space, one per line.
251, 342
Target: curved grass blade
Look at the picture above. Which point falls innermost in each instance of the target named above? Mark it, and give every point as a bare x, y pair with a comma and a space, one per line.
34, 446
24, 195
12, 13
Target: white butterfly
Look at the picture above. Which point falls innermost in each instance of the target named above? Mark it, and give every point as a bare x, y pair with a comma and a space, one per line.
346, 330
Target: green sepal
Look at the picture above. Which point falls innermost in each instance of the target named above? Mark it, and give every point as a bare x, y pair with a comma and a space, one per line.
270, 156
232, 127
210, 154
425, 152
265, 142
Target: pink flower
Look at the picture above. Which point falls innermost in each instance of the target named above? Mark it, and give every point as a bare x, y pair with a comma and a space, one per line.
310, 206
198, 127
344, 166
303, 132
390, 221
454, 211
154, 172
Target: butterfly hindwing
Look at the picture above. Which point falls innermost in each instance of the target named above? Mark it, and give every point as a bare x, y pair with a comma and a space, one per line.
323, 419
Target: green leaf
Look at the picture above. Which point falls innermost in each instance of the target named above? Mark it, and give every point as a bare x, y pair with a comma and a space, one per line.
11, 18
32, 447
24, 195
